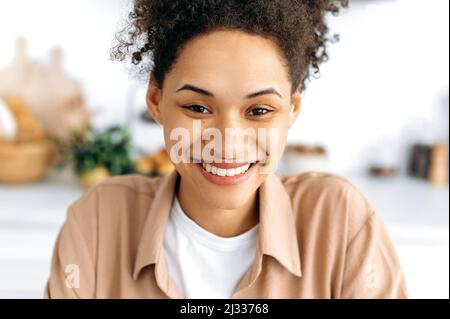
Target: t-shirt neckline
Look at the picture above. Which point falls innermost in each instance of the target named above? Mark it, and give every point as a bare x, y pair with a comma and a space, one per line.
190, 227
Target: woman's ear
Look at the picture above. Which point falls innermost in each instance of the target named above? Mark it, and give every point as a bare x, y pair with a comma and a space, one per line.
295, 107
153, 100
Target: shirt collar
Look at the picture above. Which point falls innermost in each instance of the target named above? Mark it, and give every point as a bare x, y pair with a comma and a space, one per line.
277, 231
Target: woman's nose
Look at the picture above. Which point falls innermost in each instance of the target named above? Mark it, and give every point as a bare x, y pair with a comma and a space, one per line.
228, 120
236, 136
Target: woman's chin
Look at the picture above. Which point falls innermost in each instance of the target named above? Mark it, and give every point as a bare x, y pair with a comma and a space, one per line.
231, 194
227, 197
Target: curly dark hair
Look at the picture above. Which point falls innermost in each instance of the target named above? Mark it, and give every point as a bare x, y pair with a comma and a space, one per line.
157, 30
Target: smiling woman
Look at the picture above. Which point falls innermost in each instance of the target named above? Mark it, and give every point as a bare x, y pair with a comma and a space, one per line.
226, 226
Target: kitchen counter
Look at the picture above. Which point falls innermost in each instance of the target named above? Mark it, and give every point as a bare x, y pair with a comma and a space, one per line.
30, 218
416, 214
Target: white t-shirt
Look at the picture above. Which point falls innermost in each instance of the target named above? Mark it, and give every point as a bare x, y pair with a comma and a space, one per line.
202, 264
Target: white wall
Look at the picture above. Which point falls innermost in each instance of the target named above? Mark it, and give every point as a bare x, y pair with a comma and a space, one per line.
382, 89
384, 85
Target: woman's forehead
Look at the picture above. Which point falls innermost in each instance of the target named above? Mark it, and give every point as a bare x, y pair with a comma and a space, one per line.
230, 59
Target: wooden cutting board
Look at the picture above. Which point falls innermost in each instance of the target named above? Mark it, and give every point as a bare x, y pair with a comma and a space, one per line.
54, 98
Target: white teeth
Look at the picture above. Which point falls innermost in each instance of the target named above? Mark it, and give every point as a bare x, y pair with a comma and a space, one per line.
225, 172
231, 172
221, 172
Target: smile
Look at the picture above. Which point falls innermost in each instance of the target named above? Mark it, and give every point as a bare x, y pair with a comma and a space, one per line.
224, 171
226, 174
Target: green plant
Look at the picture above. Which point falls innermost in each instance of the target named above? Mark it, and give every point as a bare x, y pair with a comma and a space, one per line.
111, 149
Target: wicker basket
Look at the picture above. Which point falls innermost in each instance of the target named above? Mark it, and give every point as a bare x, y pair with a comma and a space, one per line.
25, 162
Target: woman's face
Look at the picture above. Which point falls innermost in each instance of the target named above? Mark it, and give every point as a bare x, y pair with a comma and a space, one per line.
223, 82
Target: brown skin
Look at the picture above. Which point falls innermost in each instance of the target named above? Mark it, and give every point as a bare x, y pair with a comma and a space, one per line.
230, 65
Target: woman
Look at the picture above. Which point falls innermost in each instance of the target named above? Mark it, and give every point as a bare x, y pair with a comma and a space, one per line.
223, 225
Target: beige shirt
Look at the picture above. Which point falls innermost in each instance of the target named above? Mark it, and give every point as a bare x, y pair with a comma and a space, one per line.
319, 237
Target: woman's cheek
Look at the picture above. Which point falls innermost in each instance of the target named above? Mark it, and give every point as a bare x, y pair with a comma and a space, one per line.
179, 138
276, 141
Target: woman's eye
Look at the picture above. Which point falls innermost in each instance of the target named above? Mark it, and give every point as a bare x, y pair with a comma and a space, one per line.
259, 111
197, 109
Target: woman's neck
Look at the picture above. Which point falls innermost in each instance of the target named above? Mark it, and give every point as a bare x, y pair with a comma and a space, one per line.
221, 222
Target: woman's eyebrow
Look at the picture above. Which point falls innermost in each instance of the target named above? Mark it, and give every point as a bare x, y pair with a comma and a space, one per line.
190, 87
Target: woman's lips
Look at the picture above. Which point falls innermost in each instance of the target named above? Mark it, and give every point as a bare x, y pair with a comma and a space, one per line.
226, 173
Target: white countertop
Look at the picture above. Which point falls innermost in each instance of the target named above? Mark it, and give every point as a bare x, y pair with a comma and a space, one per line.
416, 214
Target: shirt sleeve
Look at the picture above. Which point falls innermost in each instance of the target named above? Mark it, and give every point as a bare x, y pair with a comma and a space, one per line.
372, 267
72, 267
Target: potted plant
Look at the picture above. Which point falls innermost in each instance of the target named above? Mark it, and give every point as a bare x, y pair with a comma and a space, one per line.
96, 155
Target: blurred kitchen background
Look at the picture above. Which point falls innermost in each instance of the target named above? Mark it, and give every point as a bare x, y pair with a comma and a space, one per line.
69, 117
